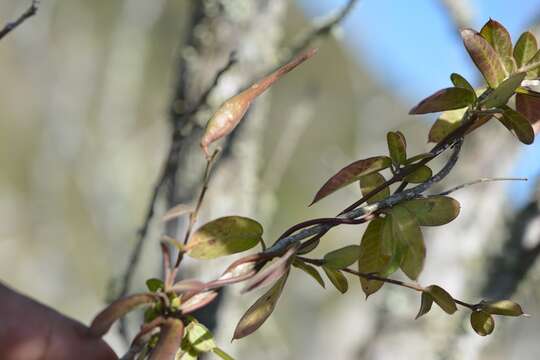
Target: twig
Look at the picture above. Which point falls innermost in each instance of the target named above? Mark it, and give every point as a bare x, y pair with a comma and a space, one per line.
460, 12
482, 180
10, 26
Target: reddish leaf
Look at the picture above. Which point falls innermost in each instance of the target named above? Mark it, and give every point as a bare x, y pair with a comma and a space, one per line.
445, 99
499, 38
197, 301
273, 272
170, 339
351, 173
529, 106
484, 56
188, 285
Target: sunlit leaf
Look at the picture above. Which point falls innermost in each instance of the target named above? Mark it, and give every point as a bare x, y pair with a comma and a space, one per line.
442, 298
337, 279
199, 337
518, 125
529, 106
534, 66
499, 38
434, 210
445, 124
461, 82
406, 230
351, 173
370, 182
342, 258
525, 48
425, 305
224, 236
257, 314
502, 307
503, 92
187, 285
445, 99
310, 270
484, 57
420, 175
397, 147
170, 339
482, 323
371, 259
197, 301
154, 284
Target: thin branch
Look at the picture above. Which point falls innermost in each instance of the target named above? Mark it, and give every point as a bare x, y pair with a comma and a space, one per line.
9, 27
482, 180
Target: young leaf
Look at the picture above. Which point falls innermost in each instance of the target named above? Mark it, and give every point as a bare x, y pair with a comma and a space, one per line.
503, 92
229, 115
529, 106
371, 259
370, 182
275, 271
434, 210
518, 125
351, 173
502, 307
407, 231
460, 82
154, 284
500, 40
397, 147
199, 337
484, 57
257, 314
445, 124
442, 298
197, 301
525, 48
342, 258
425, 304
420, 175
310, 270
337, 279
170, 339
224, 236
482, 323
445, 99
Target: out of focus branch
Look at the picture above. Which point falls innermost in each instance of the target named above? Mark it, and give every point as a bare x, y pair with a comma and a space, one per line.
31, 11
460, 12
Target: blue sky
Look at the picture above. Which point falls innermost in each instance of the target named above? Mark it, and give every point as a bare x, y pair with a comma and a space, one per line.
413, 46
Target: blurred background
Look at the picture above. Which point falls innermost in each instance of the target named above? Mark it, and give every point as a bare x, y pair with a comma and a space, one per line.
92, 91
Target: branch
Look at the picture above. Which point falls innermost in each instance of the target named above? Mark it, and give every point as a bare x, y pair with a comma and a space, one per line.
482, 180
10, 26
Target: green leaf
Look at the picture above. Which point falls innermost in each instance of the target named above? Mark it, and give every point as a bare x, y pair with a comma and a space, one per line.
397, 147
445, 124
482, 323
445, 99
484, 57
199, 337
154, 284
529, 106
500, 40
434, 210
407, 232
418, 157
351, 173
503, 92
224, 236
371, 259
370, 182
518, 125
310, 270
425, 304
342, 258
460, 82
420, 175
337, 279
222, 354
391, 247
534, 66
257, 314
442, 298
525, 48
502, 307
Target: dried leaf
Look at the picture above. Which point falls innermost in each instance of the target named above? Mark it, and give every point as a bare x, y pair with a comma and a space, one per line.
397, 147
460, 82
170, 339
484, 56
434, 210
370, 182
197, 301
529, 106
371, 259
337, 279
425, 304
342, 258
351, 173
224, 236
420, 175
482, 323
503, 92
442, 298
525, 48
257, 314
445, 99
499, 38
310, 270
518, 125
502, 307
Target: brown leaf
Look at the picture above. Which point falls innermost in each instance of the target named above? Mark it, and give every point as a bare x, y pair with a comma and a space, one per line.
170, 339
446, 99
484, 56
529, 106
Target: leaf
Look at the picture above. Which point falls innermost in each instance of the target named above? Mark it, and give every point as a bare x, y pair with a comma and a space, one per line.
442, 298
445, 124
533, 66
407, 232
445, 99
460, 82
229, 115
342, 258
502, 307
351, 173
529, 106
503, 92
420, 175
257, 314
418, 157
154, 284
117, 309
434, 210
371, 259
170, 339
224, 236
518, 125
273, 272
499, 38
310, 270
425, 304
199, 337
337, 279
482, 323
484, 57
397, 147
197, 301
391, 247
525, 48
370, 182
222, 354
188, 285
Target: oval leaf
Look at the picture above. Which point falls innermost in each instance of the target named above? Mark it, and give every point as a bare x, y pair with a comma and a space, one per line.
529, 106
310, 270
502, 307
224, 236
518, 125
342, 258
425, 305
397, 147
197, 301
445, 99
503, 92
337, 279
351, 173
420, 175
406, 230
525, 49
391, 246
434, 210
199, 337
170, 339
500, 40
460, 82
371, 259
154, 284
445, 124
370, 182
482, 323
442, 298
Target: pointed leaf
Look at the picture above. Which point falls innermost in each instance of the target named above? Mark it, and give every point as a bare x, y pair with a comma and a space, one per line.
370, 182
518, 125
502, 307
170, 339
257, 314
460, 82
503, 92
197, 301
425, 305
525, 48
529, 106
342, 258
351, 173
434, 210
484, 57
445, 99
397, 147
310, 270
420, 175
407, 231
371, 259
442, 298
500, 40
224, 236
337, 279
482, 323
